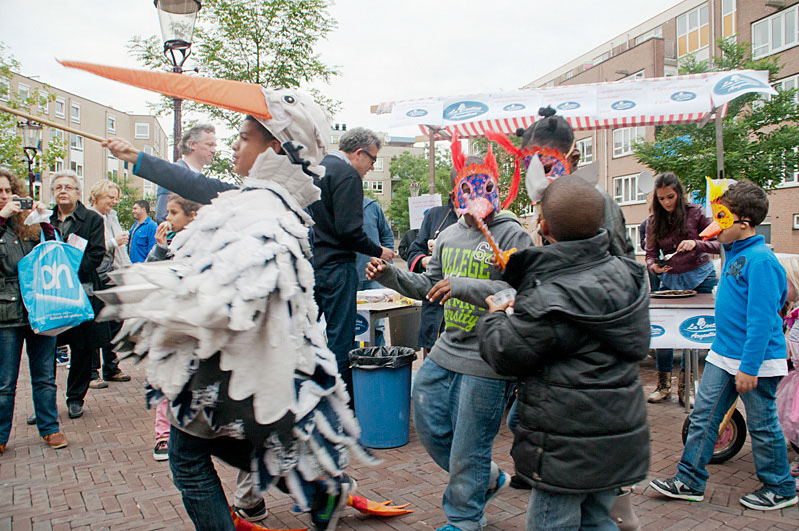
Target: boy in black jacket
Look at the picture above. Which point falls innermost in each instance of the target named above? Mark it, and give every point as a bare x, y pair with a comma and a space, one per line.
580, 327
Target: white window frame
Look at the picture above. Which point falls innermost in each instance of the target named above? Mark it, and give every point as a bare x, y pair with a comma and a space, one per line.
149, 190
72, 107
5, 83
20, 88
581, 145
141, 136
111, 124
601, 58
626, 137
655, 33
791, 180
378, 164
641, 74
367, 185
726, 12
632, 233
628, 193
334, 139
149, 150
796, 222
377, 187
685, 19
63, 113
78, 146
777, 20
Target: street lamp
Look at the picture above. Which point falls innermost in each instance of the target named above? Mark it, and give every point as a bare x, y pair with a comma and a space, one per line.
177, 18
31, 144
414, 188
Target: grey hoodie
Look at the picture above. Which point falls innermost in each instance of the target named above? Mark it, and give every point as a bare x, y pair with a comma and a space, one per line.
463, 255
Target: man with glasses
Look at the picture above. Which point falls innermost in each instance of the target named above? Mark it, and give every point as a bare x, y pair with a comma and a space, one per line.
338, 235
197, 145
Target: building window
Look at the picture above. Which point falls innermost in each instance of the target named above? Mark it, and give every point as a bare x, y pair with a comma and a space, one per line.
56, 134
366, 185
149, 190
112, 124
334, 139
60, 106
142, 130
693, 31
652, 34
378, 164
728, 18
602, 58
57, 166
775, 33
791, 179
148, 150
77, 168
624, 139
24, 92
641, 74
568, 75
632, 233
586, 147
5, 90
76, 142
74, 112
377, 187
764, 229
626, 192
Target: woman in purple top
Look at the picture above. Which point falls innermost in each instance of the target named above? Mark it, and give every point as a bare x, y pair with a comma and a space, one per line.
674, 227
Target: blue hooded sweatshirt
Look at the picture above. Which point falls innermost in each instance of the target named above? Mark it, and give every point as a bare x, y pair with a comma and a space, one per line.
751, 292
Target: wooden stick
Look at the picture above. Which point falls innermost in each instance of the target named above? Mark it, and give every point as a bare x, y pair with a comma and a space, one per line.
68, 129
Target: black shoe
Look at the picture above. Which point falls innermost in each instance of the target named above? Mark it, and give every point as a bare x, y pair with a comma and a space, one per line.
31, 420
765, 500
252, 514
674, 488
517, 482
74, 410
327, 508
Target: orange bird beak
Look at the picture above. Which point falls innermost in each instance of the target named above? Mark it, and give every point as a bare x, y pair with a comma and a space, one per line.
711, 231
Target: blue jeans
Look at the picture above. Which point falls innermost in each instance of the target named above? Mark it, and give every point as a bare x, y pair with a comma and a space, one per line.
335, 292
548, 510
41, 360
457, 417
664, 357
715, 396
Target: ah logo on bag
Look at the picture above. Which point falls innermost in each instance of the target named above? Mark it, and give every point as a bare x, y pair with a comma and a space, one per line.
701, 329
54, 272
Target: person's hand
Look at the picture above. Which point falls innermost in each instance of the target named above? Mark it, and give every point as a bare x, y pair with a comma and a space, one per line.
122, 239
375, 268
494, 307
162, 231
39, 207
11, 208
387, 254
431, 244
745, 382
425, 261
657, 269
122, 149
442, 290
686, 245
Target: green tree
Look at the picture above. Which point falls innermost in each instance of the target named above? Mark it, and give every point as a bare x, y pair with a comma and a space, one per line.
415, 168
12, 155
269, 43
124, 207
760, 134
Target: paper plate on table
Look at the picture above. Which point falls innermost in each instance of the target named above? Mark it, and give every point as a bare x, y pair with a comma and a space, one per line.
673, 293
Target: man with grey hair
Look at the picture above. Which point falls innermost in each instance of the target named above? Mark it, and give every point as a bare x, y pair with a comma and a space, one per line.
338, 235
197, 145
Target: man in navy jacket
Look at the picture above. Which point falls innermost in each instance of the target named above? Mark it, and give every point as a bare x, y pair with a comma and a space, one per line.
338, 235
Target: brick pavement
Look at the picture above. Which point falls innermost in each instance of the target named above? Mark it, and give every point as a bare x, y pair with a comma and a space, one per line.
107, 478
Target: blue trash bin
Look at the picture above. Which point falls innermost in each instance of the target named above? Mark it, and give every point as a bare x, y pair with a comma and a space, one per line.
381, 379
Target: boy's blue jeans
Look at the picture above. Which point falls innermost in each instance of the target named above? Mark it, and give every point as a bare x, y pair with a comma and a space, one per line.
457, 417
548, 510
715, 396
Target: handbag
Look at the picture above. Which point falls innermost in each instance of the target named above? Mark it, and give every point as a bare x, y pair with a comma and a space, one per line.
50, 288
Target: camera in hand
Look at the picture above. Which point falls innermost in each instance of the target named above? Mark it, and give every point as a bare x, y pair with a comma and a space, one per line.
26, 203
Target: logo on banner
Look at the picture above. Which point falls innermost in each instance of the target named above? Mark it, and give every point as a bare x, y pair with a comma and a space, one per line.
683, 95
737, 83
464, 110
416, 113
657, 331
514, 107
361, 324
622, 105
568, 106
700, 329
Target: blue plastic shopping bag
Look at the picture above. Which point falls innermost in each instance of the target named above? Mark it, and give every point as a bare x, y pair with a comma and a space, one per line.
50, 287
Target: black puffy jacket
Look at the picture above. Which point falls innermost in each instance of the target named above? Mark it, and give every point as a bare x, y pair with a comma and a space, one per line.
580, 327
12, 250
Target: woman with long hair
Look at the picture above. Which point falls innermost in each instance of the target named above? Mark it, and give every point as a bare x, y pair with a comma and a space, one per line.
16, 241
673, 228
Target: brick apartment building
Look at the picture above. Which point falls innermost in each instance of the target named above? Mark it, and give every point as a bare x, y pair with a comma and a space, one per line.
656, 48
86, 157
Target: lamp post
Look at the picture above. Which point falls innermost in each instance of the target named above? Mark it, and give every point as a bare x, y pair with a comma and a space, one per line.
177, 18
31, 144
